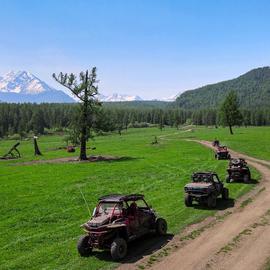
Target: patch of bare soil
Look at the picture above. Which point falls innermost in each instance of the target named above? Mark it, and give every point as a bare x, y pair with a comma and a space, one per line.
74, 159
236, 238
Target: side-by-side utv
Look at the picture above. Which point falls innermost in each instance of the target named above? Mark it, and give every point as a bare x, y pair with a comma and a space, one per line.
118, 220
205, 188
222, 152
238, 170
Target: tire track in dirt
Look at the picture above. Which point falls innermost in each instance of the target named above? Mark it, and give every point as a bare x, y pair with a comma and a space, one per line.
250, 252
240, 241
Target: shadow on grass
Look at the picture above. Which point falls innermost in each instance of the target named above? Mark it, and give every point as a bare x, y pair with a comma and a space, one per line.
124, 159
138, 248
73, 160
221, 205
251, 181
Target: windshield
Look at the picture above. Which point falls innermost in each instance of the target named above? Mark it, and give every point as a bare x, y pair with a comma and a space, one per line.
108, 208
235, 162
201, 178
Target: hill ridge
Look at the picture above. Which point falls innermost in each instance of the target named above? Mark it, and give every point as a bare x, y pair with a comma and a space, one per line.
252, 88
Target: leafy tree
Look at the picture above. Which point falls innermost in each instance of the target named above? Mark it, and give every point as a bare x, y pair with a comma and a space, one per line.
86, 91
230, 114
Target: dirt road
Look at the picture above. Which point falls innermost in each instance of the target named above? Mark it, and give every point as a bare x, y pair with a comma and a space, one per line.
240, 241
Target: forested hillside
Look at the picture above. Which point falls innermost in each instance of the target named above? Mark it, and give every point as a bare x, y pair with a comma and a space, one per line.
252, 88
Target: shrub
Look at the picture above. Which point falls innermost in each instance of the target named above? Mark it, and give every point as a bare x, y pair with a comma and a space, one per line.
138, 125
48, 131
15, 137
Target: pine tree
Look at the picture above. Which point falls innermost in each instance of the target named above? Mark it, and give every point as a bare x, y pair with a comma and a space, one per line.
230, 114
38, 122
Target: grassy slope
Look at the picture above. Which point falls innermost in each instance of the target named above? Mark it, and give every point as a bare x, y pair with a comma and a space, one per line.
42, 207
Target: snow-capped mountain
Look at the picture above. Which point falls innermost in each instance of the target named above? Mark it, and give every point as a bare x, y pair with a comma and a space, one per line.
22, 86
169, 99
118, 97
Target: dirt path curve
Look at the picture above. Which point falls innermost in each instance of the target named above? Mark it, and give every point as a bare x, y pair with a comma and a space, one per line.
241, 241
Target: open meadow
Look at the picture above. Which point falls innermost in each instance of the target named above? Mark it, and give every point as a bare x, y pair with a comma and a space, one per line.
253, 141
42, 204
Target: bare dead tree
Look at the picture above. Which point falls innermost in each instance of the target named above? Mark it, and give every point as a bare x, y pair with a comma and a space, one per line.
13, 152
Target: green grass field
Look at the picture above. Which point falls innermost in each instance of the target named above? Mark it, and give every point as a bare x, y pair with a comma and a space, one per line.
42, 206
253, 141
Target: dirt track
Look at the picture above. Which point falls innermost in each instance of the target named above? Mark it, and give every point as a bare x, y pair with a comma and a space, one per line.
241, 241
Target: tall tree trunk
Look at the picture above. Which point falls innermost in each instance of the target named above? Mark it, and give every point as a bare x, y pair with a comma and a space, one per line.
231, 129
83, 155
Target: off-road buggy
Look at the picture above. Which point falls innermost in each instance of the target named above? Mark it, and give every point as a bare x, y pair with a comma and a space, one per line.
116, 221
238, 170
222, 153
205, 188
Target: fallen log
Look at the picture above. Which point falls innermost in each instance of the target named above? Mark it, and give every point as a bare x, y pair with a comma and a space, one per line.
13, 152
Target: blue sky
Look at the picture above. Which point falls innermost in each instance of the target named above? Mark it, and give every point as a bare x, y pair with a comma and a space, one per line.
153, 48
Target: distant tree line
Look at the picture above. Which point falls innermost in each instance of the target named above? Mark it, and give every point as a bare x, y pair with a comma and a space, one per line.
25, 118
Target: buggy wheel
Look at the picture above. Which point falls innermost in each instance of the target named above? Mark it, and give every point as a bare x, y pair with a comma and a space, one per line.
228, 179
118, 249
161, 226
246, 178
225, 194
211, 201
84, 247
216, 157
188, 200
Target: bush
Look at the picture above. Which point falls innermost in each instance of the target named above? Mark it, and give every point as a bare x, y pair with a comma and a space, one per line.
189, 121
31, 134
58, 129
23, 135
138, 125
48, 131
15, 137
66, 139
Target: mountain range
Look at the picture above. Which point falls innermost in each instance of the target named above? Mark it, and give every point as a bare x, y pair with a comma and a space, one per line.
22, 86
118, 97
252, 89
